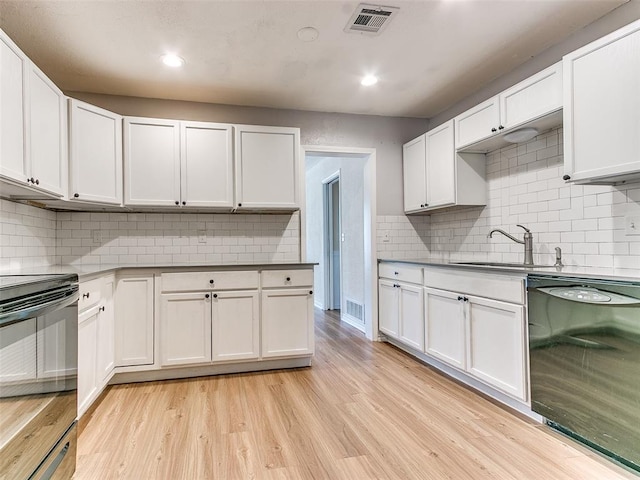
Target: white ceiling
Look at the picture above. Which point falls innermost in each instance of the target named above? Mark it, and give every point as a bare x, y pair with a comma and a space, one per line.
432, 53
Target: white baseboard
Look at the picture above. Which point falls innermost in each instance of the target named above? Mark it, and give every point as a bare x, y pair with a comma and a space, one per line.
353, 321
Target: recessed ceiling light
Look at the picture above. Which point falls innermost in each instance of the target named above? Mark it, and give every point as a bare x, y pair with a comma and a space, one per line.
171, 60
369, 80
308, 34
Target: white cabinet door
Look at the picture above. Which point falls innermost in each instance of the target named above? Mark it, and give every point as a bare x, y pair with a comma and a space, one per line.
441, 166
414, 163
18, 351
388, 308
602, 107
95, 153
496, 349
55, 329
206, 165
87, 340
106, 333
477, 123
412, 316
152, 162
47, 126
134, 320
235, 329
267, 167
445, 326
287, 322
538, 95
185, 328
13, 65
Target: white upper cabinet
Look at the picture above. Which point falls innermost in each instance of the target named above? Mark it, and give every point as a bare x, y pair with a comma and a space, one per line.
441, 166
435, 176
95, 150
414, 164
267, 167
526, 103
206, 165
179, 164
13, 65
151, 162
536, 96
33, 124
602, 109
47, 118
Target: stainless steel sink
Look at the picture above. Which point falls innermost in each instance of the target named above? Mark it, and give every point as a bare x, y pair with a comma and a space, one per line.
505, 265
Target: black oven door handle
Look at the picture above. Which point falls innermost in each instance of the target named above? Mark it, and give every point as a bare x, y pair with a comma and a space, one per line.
63, 299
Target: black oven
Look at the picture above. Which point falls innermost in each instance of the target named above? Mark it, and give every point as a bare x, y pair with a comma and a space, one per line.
38, 376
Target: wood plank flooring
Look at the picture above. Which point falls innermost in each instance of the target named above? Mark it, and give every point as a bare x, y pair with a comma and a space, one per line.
363, 411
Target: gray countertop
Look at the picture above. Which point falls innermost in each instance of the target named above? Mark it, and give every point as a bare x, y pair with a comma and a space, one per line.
600, 273
86, 271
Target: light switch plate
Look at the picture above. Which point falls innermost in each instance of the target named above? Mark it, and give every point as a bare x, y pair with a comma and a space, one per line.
632, 224
202, 236
97, 236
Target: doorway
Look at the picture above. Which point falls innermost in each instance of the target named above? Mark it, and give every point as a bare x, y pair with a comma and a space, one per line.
333, 241
356, 190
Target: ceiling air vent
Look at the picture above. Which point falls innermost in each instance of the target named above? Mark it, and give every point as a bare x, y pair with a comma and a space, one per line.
370, 19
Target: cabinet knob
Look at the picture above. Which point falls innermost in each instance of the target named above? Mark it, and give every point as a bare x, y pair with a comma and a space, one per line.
32, 180
184, 203
566, 177
396, 273
494, 129
101, 308
211, 281
206, 296
465, 299
239, 204
310, 292
501, 127
85, 295
37, 182
288, 279
460, 298
422, 205
76, 195
215, 295
177, 202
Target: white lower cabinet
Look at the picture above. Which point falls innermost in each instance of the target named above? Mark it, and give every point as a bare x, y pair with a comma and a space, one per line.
287, 322
134, 320
388, 308
496, 344
400, 306
96, 340
445, 327
185, 328
235, 326
106, 332
87, 359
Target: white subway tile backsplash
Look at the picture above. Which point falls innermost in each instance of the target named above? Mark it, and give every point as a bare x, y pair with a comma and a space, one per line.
587, 222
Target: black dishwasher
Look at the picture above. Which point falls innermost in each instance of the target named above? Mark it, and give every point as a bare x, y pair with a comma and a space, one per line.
584, 349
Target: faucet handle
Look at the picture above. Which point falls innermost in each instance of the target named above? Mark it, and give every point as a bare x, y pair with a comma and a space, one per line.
525, 228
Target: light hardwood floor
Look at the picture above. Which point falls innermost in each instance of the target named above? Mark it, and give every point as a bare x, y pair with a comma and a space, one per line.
362, 411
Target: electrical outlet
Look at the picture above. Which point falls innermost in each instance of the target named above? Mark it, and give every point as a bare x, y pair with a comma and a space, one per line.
97, 236
632, 224
386, 238
202, 236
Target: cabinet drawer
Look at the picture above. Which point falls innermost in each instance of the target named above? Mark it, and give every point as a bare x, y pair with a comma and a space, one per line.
90, 294
287, 278
500, 287
403, 273
199, 281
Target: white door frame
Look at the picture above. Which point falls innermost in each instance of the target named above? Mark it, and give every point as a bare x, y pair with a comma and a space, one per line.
327, 233
370, 217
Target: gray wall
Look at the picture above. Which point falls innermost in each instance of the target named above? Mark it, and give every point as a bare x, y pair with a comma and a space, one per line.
618, 18
385, 134
352, 204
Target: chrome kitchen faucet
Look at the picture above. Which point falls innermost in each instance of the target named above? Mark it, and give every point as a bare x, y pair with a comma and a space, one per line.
527, 242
